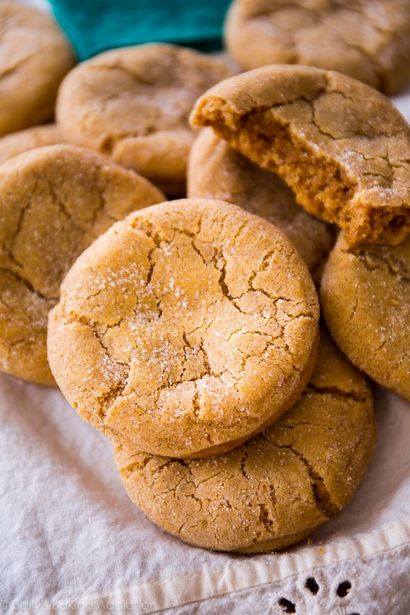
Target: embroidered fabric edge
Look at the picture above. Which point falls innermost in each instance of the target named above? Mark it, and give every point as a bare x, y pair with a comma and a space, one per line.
165, 592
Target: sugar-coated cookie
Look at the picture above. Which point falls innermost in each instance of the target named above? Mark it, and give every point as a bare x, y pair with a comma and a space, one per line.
216, 171
25, 140
133, 104
276, 488
54, 201
186, 328
369, 41
341, 145
366, 303
34, 57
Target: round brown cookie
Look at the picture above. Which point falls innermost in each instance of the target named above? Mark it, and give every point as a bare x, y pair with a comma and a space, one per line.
366, 303
369, 41
34, 57
26, 140
54, 201
185, 328
133, 104
347, 162
216, 171
276, 488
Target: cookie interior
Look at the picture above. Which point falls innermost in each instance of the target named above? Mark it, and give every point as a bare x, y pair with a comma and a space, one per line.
219, 172
319, 181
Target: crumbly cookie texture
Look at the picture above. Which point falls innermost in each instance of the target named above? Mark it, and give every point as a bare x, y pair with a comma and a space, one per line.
276, 488
54, 201
348, 162
366, 303
369, 41
185, 328
34, 58
133, 104
216, 171
26, 140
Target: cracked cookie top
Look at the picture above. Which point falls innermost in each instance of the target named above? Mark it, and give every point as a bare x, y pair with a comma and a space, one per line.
369, 41
185, 328
54, 201
133, 104
216, 171
26, 140
34, 57
366, 302
276, 488
341, 145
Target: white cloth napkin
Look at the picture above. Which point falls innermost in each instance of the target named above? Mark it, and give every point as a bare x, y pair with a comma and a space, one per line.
72, 542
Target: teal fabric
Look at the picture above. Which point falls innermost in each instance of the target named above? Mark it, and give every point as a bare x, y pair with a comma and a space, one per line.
96, 25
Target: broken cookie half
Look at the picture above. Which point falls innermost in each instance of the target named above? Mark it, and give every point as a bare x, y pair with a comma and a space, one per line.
341, 145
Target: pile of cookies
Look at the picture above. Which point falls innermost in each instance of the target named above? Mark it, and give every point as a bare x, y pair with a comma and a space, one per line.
189, 331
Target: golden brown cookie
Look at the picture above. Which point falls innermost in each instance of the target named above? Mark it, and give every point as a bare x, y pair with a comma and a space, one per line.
347, 160
366, 302
54, 201
276, 488
133, 104
216, 171
34, 57
369, 41
185, 328
26, 140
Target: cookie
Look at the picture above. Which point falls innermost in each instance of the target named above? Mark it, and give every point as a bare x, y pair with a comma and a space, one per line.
216, 171
275, 489
366, 303
185, 328
34, 58
26, 140
369, 41
133, 104
54, 201
347, 162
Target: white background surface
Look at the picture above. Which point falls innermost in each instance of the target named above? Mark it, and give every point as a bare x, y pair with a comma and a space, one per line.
68, 530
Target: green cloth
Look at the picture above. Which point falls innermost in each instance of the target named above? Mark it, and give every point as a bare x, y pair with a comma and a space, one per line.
96, 25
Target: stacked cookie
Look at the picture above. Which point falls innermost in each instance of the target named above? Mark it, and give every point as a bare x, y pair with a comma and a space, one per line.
187, 331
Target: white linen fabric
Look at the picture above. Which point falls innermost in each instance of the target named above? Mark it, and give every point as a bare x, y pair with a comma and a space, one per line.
72, 542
